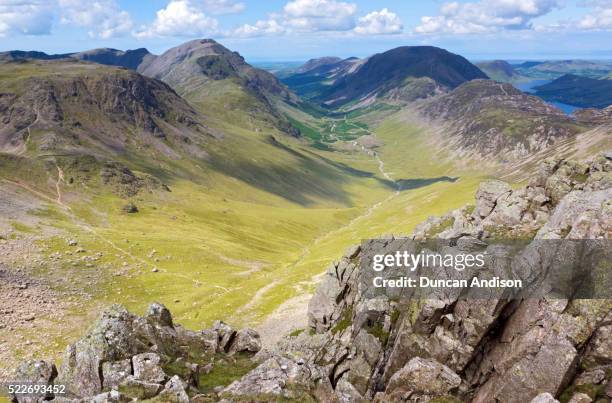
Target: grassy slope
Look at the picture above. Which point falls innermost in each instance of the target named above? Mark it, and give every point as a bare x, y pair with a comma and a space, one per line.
250, 225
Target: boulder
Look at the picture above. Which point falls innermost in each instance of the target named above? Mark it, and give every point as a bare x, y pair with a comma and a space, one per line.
488, 194
599, 350
580, 215
333, 294
510, 210
115, 372
422, 379
225, 335
245, 340
544, 398
108, 397
174, 391
592, 377
147, 368
138, 389
159, 315
116, 336
203, 342
580, 398
273, 377
35, 372
537, 349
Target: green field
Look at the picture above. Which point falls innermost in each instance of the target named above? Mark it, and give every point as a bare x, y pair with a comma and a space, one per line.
248, 225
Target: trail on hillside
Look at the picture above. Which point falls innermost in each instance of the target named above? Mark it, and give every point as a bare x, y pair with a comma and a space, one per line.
60, 180
88, 228
293, 305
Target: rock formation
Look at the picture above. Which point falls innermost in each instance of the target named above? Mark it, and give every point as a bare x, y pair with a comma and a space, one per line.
125, 357
377, 349
361, 347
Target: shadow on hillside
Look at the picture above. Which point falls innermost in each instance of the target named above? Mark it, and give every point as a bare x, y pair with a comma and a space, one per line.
309, 177
302, 181
408, 184
401, 184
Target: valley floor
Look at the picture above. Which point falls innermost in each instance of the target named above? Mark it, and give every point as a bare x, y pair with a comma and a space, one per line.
241, 255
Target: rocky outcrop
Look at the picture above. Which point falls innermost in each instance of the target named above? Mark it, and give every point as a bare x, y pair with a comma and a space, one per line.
369, 347
421, 380
124, 357
484, 119
363, 346
93, 105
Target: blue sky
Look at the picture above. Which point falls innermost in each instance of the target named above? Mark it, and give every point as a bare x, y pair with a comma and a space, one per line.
301, 29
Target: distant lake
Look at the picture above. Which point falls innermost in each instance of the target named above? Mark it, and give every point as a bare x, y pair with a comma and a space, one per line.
529, 88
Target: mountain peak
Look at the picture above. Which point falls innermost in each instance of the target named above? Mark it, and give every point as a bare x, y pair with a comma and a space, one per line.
318, 62
389, 70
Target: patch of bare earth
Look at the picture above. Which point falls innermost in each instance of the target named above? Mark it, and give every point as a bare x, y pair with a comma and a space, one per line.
289, 316
35, 317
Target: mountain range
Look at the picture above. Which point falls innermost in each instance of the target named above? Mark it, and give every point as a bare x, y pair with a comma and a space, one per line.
501, 70
187, 67
361, 82
195, 179
576, 90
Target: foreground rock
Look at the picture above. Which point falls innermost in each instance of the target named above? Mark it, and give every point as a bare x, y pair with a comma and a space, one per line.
371, 347
125, 357
374, 348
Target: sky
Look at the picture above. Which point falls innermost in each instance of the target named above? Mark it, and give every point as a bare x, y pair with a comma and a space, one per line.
295, 30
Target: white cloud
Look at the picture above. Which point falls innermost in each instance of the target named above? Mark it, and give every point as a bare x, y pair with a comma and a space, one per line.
34, 17
220, 7
103, 17
319, 15
600, 18
179, 18
300, 16
260, 28
304, 16
485, 16
383, 22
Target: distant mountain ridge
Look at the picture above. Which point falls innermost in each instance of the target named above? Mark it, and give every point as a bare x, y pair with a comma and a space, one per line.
188, 68
495, 120
552, 69
363, 80
320, 61
206, 58
315, 75
579, 91
500, 70
161, 67
131, 59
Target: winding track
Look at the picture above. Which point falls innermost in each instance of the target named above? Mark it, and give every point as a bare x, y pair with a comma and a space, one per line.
308, 249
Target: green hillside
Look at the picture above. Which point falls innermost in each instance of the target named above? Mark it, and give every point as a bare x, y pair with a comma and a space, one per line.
577, 90
232, 219
190, 185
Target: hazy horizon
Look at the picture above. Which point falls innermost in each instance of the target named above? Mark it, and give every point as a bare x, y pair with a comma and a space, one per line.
281, 30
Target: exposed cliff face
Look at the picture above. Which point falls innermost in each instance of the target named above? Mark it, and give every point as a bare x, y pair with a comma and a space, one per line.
192, 67
494, 120
90, 107
207, 59
376, 348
